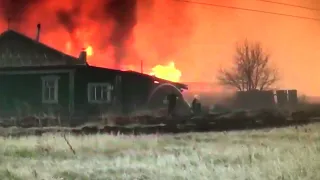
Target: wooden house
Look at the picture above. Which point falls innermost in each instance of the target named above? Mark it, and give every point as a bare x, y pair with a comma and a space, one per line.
35, 78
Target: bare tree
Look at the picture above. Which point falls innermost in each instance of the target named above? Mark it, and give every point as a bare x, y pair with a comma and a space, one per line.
251, 69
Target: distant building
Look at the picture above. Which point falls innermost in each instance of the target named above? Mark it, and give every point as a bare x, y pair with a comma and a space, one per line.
282, 98
255, 99
35, 78
293, 97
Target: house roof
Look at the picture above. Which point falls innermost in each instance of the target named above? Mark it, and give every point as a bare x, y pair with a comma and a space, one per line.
18, 50
154, 78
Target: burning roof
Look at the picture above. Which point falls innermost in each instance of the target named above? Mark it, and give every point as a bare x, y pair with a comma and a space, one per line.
115, 33
16, 48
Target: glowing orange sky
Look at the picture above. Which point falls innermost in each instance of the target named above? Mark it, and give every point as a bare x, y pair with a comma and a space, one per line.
201, 39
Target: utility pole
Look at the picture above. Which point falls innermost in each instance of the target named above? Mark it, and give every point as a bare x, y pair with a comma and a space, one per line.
8, 22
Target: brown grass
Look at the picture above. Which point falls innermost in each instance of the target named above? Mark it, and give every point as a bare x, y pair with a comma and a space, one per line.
286, 153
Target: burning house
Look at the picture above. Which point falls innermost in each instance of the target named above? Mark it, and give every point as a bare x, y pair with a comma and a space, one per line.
37, 79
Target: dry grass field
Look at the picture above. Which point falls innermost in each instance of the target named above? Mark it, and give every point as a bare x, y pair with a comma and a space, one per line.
274, 154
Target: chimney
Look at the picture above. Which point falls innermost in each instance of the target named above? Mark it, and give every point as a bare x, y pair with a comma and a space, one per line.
38, 32
83, 57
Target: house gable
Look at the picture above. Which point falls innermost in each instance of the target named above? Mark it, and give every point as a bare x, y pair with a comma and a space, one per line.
18, 50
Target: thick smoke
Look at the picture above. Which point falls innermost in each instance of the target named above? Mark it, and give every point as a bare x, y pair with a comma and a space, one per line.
124, 16
121, 32
121, 14
67, 19
15, 10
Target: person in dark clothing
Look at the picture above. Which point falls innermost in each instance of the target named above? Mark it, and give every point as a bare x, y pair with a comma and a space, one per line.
172, 102
196, 105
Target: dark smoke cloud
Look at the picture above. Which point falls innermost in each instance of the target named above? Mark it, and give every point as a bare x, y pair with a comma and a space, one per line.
122, 13
15, 10
68, 17
67, 20
113, 21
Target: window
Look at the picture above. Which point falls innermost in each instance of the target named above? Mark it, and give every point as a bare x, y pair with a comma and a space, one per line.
99, 93
50, 89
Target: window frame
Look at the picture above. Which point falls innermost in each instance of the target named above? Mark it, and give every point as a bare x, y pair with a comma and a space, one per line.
94, 86
55, 80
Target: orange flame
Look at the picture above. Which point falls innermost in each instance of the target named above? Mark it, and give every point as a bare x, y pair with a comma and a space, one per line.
68, 47
89, 51
168, 72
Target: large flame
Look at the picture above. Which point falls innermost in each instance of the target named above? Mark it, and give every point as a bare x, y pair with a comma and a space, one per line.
89, 51
201, 39
168, 72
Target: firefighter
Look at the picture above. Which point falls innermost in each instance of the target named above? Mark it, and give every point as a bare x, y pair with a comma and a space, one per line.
172, 102
196, 105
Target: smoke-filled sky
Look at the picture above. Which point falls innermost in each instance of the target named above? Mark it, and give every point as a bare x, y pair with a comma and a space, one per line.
199, 39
